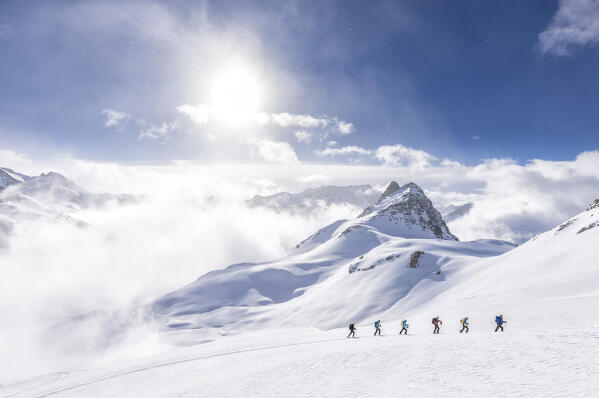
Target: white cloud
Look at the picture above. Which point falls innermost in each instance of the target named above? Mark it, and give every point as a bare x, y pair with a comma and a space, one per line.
450, 163
203, 114
199, 114
388, 155
576, 23
345, 127
476, 137
331, 143
115, 118
304, 136
276, 152
346, 150
285, 119
314, 179
399, 155
157, 131
14, 160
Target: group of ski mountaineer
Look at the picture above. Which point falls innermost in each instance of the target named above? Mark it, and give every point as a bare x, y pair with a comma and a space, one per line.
436, 322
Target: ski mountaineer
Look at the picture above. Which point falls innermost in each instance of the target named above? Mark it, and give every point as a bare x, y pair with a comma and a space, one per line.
499, 321
464, 324
404, 327
437, 322
352, 330
377, 326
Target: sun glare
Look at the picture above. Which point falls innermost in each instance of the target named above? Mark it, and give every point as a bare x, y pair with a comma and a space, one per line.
236, 95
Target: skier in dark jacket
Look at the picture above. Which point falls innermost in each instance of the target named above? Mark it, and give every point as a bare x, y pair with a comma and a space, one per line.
404, 327
437, 322
377, 327
352, 330
499, 321
465, 324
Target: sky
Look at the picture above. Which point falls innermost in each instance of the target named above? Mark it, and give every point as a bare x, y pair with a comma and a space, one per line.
300, 81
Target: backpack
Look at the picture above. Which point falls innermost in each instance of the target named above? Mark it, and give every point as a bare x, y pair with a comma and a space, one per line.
434, 320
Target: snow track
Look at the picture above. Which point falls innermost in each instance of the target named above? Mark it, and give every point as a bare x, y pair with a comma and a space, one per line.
530, 363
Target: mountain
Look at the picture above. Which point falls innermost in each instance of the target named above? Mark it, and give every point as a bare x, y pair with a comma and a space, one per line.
48, 196
350, 269
407, 212
10, 177
458, 212
286, 335
306, 201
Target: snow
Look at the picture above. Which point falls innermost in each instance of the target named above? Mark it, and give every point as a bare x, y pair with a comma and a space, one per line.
278, 328
49, 196
300, 363
10, 177
346, 259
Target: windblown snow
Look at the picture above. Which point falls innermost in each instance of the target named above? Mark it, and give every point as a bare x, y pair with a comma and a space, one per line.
278, 328
49, 196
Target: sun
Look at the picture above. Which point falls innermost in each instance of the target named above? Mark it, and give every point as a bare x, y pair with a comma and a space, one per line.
236, 94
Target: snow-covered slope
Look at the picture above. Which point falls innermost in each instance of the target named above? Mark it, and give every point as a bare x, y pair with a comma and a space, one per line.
306, 201
547, 290
348, 270
311, 363
10, 177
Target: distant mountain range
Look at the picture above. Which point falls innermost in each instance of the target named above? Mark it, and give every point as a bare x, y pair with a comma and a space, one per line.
307, 201
49, 196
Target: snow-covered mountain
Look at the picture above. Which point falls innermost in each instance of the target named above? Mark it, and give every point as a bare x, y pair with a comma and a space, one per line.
307, 200
10, 177
50, 196
285, 321
458, 212
376, 259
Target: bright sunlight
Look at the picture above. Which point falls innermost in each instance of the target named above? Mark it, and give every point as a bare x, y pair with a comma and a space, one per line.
236, 95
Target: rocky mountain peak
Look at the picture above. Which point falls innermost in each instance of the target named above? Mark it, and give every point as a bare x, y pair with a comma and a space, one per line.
390, 189
594, 205
406, 211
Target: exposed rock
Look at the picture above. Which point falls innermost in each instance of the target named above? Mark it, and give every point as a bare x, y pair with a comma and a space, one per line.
406, 211
390, 190
590, 226
593, 205
414, 258
566, 225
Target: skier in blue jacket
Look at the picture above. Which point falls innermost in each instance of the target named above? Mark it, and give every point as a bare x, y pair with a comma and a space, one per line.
499, 321
377, 327
404, 327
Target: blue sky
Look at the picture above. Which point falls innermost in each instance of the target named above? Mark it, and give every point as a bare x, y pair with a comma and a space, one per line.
315, 81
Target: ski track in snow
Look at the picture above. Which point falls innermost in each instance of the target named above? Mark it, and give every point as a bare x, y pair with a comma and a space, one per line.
529, 363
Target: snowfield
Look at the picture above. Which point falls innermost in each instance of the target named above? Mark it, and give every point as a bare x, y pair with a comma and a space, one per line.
277, 329
305, 363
